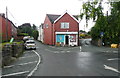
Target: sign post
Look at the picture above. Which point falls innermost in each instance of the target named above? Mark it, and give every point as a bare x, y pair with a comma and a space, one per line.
11, 40
101, 35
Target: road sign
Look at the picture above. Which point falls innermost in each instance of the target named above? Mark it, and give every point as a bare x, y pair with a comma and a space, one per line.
101, 34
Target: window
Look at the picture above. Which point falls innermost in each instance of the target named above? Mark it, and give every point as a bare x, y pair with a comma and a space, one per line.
64, 25
46, 25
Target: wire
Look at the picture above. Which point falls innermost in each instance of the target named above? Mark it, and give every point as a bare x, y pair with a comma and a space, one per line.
13, 16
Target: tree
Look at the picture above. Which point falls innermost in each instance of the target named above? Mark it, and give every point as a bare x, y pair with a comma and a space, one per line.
34, 27
82, 31
110, 25
114, 22
26, 28
35, 34
92, 10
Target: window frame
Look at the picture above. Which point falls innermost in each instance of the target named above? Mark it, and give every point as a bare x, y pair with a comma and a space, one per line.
66, 25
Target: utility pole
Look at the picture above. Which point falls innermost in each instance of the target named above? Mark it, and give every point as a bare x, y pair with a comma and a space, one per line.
6, 24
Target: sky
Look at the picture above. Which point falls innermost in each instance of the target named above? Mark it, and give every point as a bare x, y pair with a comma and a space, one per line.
34, 11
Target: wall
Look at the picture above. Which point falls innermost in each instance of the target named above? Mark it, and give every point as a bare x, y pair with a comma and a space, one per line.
11, 29
48, 34
11, 50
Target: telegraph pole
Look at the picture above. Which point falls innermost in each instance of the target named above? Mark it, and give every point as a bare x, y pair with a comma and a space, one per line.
6, 24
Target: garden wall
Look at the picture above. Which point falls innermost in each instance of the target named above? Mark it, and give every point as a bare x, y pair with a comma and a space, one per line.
11, 50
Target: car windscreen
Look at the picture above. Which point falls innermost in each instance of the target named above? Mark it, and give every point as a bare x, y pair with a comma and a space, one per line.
30, 42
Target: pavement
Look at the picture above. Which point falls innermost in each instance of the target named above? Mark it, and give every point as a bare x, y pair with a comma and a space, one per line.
84, 60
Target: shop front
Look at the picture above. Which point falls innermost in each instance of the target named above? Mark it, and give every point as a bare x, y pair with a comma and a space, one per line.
66, 38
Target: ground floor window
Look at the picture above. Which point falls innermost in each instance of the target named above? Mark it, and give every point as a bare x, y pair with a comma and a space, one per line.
66, 39
59, 38
72, 38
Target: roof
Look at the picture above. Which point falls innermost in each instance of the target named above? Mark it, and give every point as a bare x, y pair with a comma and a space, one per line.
53, 18
76, 16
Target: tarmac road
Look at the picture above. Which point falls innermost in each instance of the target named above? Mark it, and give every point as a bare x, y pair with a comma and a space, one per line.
85, 60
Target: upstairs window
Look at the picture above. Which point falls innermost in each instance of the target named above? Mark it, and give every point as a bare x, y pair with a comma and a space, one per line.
64, 25
46, 25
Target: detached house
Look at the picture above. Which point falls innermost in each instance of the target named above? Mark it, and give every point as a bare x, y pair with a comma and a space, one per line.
61, 30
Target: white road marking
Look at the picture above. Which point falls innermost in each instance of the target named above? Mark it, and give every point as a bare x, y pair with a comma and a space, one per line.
111, 68
27, 52
107, 51
110, 51
28, 63
9, 66
68, 51
27, 57
56, 52
51, 46
20, 64
30, 74
115, 51
52, 51
113, 59
80, 48
0, 72
16, 73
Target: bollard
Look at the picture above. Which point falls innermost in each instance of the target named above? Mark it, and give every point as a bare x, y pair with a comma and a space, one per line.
114, 45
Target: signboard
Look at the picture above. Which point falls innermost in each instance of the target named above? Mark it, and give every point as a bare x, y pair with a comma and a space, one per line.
59, 38
73, 38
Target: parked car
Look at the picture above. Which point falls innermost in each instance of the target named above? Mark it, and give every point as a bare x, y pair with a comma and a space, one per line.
26, 38
31, 38
30, 44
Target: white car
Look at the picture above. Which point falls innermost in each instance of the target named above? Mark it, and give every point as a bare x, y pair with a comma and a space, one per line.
30, 44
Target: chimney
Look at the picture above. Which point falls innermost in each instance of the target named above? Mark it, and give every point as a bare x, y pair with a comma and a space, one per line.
2, 14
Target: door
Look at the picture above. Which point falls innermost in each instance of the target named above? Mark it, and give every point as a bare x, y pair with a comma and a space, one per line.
66, 40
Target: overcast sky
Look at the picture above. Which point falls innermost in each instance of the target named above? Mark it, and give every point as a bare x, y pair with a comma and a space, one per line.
34, 11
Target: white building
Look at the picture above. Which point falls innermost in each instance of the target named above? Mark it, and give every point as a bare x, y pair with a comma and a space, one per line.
40, 30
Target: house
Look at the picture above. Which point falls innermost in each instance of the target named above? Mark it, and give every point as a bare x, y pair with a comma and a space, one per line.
61, 30
9, 30
40, 30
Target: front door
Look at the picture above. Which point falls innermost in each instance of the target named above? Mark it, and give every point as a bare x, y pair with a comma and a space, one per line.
66, 40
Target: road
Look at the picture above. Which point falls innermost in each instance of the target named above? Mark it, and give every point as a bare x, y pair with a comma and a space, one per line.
84, 60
